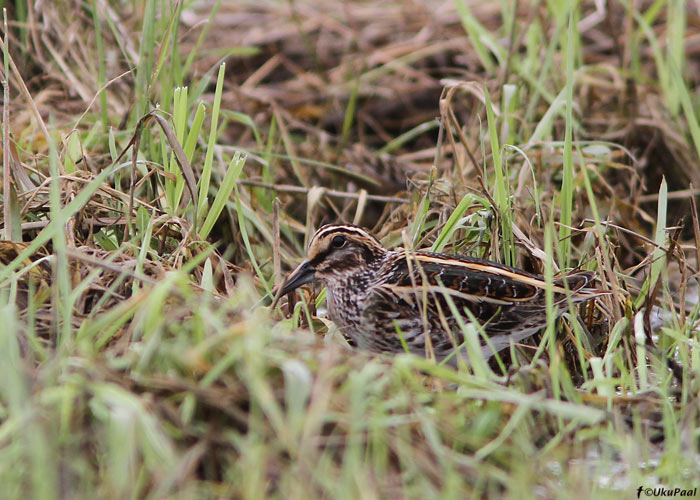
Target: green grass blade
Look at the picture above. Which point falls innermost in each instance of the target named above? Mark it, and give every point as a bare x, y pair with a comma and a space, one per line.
567, 183
222, 195
205, 178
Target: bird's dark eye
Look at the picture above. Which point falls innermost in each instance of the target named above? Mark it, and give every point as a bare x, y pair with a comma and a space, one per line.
338, 241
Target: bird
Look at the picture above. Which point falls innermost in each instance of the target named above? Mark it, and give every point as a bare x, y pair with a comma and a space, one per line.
398, 300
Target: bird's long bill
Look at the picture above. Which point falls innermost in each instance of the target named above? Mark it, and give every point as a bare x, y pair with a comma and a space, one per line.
300, 276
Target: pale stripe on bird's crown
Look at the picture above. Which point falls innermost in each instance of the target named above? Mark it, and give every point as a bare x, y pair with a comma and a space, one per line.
343, 229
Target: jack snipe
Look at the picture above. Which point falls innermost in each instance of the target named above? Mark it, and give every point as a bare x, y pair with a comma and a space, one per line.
376, 296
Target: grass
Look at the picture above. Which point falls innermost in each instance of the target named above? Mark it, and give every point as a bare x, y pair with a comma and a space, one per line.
165, 162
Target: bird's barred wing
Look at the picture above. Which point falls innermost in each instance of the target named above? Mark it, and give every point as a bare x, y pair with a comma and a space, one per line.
464, 278
498, 296
477, 280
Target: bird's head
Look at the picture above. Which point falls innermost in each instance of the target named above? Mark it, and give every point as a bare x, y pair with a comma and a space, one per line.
335, 251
